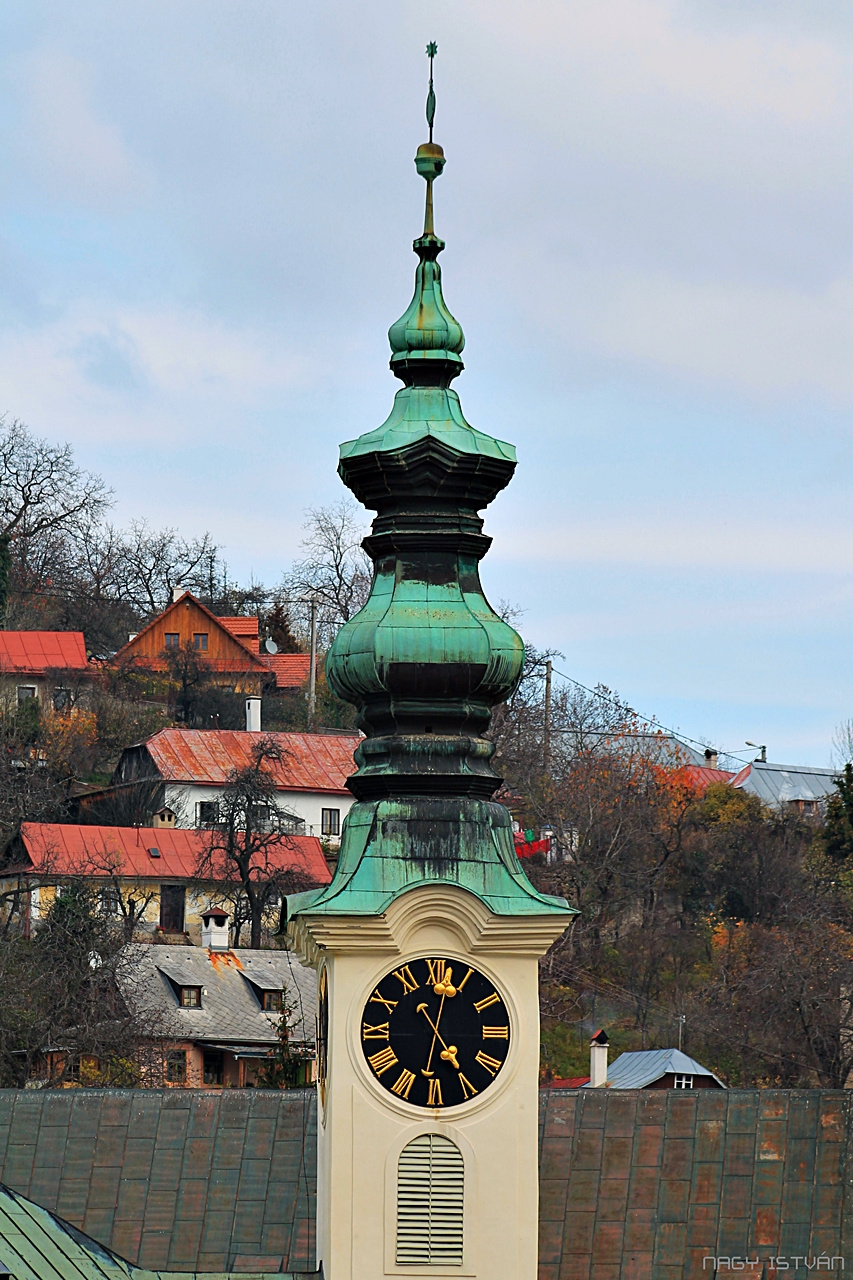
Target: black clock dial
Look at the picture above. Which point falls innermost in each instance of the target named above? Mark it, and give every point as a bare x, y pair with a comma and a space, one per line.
435, 1032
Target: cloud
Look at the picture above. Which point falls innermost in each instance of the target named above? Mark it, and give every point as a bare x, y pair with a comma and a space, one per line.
66, 144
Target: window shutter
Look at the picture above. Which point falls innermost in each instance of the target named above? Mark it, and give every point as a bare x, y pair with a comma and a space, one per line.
430, 1189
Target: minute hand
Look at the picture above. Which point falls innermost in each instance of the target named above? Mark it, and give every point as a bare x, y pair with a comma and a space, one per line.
450, 1051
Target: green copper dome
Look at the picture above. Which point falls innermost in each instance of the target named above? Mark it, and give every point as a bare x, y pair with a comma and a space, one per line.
427, 658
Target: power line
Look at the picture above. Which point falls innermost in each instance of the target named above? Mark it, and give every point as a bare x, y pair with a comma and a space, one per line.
649, 720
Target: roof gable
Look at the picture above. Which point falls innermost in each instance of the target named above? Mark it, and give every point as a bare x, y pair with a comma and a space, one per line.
186, 616
639, 1070
35, 652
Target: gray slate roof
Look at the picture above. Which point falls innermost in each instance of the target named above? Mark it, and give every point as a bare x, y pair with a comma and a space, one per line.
638, 1070
230, 1008
780, 783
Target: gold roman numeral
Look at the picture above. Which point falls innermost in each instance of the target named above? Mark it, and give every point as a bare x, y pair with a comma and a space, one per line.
487, 1002
492, 1065
436, 972
434, 1099
404, 1083
390, 1005
382, 1060
461, 984
468, 1089
380, 1032
407, 978
495, 1033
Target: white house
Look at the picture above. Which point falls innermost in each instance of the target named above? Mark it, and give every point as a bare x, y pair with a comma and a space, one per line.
185, 771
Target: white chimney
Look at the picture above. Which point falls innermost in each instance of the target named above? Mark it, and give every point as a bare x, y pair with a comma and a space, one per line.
214, 930
253, 715
177, 592
598, 1049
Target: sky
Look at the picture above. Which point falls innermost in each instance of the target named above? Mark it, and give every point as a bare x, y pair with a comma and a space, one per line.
205, 233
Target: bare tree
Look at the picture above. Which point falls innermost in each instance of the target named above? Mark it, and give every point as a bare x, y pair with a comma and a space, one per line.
241, 862
42, 492
334, 570
154, 562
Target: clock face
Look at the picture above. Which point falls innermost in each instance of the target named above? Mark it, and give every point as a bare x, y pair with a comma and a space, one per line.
435, 1032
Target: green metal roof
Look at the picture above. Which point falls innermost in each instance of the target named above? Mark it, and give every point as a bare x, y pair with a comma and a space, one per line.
37, 1245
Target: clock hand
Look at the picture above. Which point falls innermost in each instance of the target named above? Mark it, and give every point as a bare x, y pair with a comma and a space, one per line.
426, 1070
449, 1051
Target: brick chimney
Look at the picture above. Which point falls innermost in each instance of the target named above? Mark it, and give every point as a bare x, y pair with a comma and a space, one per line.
598, 1049
214, 930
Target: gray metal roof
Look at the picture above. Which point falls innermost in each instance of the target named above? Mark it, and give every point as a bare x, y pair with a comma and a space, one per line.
782, 783
639, 1070
230, 1009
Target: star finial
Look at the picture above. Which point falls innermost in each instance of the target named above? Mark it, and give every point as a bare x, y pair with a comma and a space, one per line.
432, 50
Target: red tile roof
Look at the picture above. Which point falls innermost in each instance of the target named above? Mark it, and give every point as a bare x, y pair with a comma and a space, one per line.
61, 849
34, 652
245, 630
291, 669
311, 761
565, 1082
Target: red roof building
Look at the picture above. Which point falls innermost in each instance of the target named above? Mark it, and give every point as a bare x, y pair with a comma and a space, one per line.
229, 647
39, 664
155, 865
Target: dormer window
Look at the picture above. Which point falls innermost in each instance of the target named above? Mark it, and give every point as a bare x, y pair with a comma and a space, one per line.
683, 1082
272, 1001
190, 997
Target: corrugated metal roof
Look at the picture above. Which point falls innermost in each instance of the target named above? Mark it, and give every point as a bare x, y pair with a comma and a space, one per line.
206, 757
38, 1245
782, 783
230, 1010
639, 1070
34, 652
65, 849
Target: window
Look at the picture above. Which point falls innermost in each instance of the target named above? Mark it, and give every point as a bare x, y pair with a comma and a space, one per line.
212, 1068
172, 906
259, 816
173, 640
273, 1001
683, 1082
330, 822
25, 692
61, 699
176, 1066
190, 997
430, 1186
207, 811
109, 901
200, 641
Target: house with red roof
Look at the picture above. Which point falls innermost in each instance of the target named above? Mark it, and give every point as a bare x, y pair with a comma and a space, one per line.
182, 772
143, 875
48, 665
228, 647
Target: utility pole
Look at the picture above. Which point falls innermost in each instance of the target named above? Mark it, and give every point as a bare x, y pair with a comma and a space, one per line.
682, 1018
546, 737
312, 668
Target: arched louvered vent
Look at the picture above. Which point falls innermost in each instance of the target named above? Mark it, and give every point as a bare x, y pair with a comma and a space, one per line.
430, 1191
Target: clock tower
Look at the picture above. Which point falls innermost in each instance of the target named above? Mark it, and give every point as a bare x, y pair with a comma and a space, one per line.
427, 941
